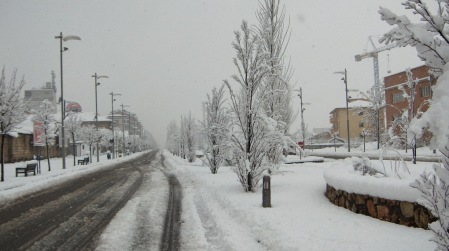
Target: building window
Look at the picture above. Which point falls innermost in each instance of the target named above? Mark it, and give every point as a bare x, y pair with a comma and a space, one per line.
398, 97
361, 113
426, 91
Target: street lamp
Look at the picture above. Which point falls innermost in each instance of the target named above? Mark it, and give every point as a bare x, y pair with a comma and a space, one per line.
113, 132
123, 127
96, 108
61, 50
345, 79
129, 127
303, 126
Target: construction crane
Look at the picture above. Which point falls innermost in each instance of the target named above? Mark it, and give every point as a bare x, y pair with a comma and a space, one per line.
375, 55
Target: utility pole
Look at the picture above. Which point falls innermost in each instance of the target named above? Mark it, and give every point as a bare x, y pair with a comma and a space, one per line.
347, 110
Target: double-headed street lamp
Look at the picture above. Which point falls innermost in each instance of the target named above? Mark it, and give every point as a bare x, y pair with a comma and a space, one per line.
345, 79
62, 49
96, 108
113, 132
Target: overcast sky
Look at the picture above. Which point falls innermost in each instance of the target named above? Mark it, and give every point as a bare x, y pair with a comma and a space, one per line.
165, 56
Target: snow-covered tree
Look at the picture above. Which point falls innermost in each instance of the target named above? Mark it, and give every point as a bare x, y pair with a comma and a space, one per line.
401, 123
277, 92
430, 37
12, 110
372, 114
190, 133
105, 137
254, 133
172, 142
72, 124
216, 129
46, 118
120, 141
89, 135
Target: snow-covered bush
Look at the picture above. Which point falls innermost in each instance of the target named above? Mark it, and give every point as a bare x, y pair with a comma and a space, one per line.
364, 166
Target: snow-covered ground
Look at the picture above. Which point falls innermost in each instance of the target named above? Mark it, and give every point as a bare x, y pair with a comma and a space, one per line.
218, 215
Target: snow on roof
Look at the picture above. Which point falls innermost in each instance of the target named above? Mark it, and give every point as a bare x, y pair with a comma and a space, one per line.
358, 103
355, 104
26, 127
90, 116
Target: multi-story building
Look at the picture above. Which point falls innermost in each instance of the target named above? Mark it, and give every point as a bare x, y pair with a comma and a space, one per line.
128, 122
357, 128
396, 84
47, 92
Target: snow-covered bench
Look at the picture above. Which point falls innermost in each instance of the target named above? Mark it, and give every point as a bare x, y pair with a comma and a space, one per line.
30, 167
84, 161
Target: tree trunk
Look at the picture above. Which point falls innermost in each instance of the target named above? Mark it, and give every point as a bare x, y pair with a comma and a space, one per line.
2, 158
74, 148
90, 154
48, 156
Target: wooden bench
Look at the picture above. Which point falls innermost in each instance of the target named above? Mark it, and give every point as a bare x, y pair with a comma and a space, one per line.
84, 161
29, 168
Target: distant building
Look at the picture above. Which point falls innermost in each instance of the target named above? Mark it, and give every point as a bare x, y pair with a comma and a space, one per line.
128, 122
396, 103
35, 97
394, 97
356, 126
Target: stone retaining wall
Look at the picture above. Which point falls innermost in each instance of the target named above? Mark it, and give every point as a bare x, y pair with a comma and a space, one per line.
399, 212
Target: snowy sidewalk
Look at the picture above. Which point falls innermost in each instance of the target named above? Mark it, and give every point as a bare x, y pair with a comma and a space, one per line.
14, 187
218, 215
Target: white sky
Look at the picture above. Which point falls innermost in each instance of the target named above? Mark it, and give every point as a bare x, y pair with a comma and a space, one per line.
165, 56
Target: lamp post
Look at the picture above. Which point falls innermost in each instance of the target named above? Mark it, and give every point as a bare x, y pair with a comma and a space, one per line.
345, 79
123, 127
96, 108
303, 125
61, 50
113, 132
129, 127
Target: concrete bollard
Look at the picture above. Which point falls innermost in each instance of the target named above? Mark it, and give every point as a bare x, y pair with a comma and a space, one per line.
266, 191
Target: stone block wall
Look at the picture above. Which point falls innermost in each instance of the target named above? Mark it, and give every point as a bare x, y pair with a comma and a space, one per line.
21, 149
399, 212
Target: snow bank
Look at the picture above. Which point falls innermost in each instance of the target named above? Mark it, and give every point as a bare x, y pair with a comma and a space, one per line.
342, 176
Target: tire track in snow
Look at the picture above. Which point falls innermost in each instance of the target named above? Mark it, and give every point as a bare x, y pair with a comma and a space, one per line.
172, 226
138, 226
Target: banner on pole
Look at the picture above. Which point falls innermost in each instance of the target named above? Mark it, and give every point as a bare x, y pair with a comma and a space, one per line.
38, 131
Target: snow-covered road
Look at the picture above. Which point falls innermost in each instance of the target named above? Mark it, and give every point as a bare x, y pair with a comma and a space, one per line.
218, 215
